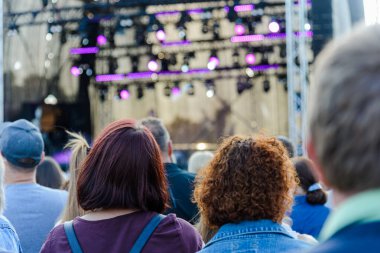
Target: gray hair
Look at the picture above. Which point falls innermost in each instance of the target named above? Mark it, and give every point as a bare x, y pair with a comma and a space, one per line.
199, 160
159, 131
345, 111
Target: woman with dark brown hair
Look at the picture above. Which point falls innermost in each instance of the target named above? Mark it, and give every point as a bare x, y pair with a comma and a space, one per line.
122, 188
309, 211
244, 194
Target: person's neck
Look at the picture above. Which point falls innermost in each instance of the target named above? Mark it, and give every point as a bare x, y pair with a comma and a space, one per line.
102, 214
340, 197
13, 176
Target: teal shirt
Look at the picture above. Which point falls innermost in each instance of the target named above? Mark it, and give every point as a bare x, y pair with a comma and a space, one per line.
361, 208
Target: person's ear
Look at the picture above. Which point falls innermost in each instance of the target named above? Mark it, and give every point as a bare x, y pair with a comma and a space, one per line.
42, 157
170, 148
317, 166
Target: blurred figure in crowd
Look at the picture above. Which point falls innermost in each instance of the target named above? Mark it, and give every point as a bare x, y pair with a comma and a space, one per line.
181, 182
79, 149
9, 241
123, 189
32, 209
199, 160
288, 145
309, 212
244, 193
345, 141
50, 174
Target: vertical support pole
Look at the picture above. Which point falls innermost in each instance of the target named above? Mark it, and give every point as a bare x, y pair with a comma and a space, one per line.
1, 63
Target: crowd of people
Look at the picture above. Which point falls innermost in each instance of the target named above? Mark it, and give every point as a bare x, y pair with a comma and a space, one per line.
125, 193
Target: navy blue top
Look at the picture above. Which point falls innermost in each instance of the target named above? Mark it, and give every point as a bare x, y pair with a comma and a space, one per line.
307, 218
354, 238
181, 186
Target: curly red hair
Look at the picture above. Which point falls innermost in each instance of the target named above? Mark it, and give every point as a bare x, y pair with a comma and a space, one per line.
248, 179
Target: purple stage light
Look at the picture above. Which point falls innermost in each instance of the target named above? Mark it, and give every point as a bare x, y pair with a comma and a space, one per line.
75, 71
195, 11
248, 38
124, 94
101, 40
161, 35
239, 29
140, 75
264, 67
250, 59
213, 62
176, 43
176, 91
152, 65
84, 50
244, 8
148, 74
274, 27
109, 77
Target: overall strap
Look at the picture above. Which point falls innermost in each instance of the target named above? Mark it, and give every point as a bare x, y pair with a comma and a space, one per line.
71, 237
146, 233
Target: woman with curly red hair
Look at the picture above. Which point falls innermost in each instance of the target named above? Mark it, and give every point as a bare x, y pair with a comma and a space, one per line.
244, 193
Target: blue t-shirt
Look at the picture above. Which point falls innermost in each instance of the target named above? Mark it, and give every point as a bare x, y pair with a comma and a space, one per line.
33, 210
307, 218
9, 241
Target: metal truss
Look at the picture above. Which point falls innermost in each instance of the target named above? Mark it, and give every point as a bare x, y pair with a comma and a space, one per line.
297, 72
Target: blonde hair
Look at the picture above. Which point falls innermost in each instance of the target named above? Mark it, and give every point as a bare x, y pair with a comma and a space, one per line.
79, 148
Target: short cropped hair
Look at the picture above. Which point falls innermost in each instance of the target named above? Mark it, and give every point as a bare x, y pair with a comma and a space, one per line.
123, 170
159, 131
345, 111
287, 144
248, 179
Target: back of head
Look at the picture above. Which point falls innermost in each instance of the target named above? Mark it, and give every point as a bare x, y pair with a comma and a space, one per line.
199, 160
159, 131
345, 112
79, 149
49, 173
123, 169
308, 182
287, 144
248, 179
22, 144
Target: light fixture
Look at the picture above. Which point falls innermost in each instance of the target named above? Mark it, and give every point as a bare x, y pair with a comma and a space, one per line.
51, 100
140, 91
167, 90
161, 35
76, 71
243, 84
210, 88
176, 90
189, 88
152, 65
101, 40
213, 61
266, 86
123, 93
250, 58
274, 26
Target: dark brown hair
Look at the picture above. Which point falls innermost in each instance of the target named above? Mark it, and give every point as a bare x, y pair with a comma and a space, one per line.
50, 174
123, 170
306, 179
248, 179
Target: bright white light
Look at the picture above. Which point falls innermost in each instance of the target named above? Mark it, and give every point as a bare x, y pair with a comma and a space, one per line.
47, 64
371, 11
211, 65
17, 65
249, 72
185, 68
307, 27
201, 146
51, 100
210, 93
49, 36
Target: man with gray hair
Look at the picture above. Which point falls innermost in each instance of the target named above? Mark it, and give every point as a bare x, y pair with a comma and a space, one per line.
181, 182
345, 139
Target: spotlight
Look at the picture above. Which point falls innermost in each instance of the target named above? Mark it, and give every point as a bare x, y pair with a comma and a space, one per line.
242, 85
189, 88
161, 35
135, 63
210, 88
181, 25
236, 58
274, 26
185, 65
176, 90
140, 92
250, 58
76, 71
239, 27
266, 85
205, 28
213, 61
216, 30
167, 90
152, 65
101, 40
103, 91
123, 93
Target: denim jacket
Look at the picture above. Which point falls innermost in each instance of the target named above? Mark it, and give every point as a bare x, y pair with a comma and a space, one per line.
9, 241
254, 236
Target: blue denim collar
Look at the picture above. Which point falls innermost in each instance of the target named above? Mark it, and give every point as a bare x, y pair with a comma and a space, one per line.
248, 228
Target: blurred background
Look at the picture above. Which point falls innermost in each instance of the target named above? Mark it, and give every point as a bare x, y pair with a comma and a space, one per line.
207, 68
